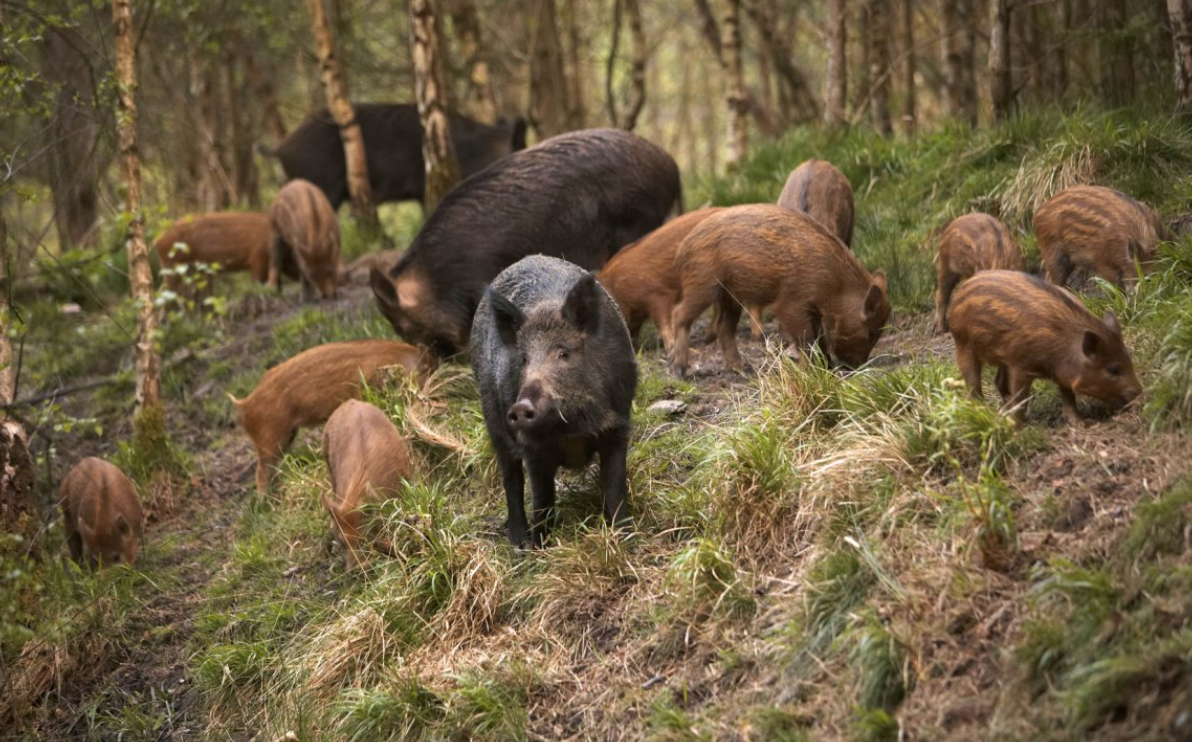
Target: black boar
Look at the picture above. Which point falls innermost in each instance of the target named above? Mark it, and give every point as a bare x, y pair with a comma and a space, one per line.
1098, 230
578, 196
1030, 329
971, 243
557, 374
101, 514
763, 255
818, 188
305, 231
393, 145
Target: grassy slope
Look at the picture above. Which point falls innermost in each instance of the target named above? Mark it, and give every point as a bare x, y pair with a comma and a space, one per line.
814, 557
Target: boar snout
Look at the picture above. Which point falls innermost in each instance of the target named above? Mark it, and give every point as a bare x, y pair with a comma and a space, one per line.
533, 407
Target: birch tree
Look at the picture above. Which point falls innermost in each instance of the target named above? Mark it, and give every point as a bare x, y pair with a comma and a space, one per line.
1181, 31
836, 71
466, 24
1001, 85
738, 106
438, 151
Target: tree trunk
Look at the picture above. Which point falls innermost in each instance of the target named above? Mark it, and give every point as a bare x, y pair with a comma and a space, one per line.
908, 40
861, 89
548, 83
1116, 54
1057, 55
7, 370
637, 77
711, 32
73, 138
806, 107
213, 186
879, 64
960, 99
738, 131
1181, 32
578, 113
18, 509
999, 60
247, 181
438, 151
266, 98
340, 106
836, 105
148, 365
480, 103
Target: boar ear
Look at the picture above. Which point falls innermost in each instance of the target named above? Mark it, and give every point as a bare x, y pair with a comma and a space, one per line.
1111, 323
582, 305
122, 526
874, 298
879, 279
383, 288
509, 318
1092, 345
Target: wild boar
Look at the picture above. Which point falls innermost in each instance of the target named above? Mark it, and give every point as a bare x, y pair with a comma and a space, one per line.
1031, 330
235, 240
101, 514
305, 229
1098, 230
642, 277
393, 147
767, 255
578, 196
818, 188
557, 374
307, 388
367, 460
971, 243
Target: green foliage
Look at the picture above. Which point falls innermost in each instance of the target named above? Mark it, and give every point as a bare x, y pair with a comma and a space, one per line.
20, 588
704, 583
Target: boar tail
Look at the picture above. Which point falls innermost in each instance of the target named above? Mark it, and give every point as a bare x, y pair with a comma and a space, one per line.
236, 402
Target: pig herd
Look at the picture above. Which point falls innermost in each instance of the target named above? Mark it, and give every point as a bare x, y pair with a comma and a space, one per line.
543, 266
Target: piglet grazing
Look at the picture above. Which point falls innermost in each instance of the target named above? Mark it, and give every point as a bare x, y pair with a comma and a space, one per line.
818, 188
764, 255
1031, 330
231, 240
367, 461
305, 230
557, 374
307, 388
971, 243
101, 513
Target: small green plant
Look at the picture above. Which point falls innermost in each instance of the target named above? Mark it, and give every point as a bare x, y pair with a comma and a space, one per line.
991, 504
704, 583
879, 662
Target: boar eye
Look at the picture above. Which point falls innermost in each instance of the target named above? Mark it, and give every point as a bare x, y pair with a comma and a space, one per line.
564, 354
1114, 370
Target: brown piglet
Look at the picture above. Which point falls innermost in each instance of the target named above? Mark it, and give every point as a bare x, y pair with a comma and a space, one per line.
818, 188
1030, 329
971, 243
305, 229
101, 514
235, 240
307, 388
1098, 230
367, 461
642, 277
766, 255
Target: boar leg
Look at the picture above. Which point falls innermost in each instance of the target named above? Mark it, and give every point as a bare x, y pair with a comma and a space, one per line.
74, 541
1068, 398
1019, 385
1057, 266
696, 298
796, 324
276, 256
1001, 379
970, 369
614, 483
542, 496
755, 320
514, 479
726, 330
943, 296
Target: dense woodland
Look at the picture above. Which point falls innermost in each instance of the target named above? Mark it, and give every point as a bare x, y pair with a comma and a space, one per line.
815, 554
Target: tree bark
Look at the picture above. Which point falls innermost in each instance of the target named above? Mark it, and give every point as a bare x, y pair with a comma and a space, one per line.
738, 127
148, 365
480, 102
548, 83
266, 97
711, 32
18, 509
73, 138
836, 74
1057, 54
1116, 54
578, 112
1002, 87
909, 113
960, 99
340, 106
637, 76
1181, 32
438, 151
806, 107
861, 91
8, 392
879, 29
244, 167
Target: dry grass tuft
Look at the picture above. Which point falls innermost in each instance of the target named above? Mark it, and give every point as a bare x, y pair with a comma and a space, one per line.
478, 596
347, 651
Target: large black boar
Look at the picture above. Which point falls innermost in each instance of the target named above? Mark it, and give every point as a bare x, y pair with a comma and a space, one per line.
393, 145
557, 374
578, 196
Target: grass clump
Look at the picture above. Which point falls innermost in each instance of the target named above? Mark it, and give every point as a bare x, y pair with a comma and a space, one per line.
703, 584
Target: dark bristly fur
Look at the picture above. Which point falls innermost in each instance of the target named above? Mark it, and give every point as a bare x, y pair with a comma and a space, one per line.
818, 188
1030, 329
763, 255
1097, 230
305, 230
393, 147
100, 513
971, 243
578, 196
557, 375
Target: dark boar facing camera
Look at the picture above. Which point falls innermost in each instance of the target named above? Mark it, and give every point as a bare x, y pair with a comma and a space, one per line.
557, 375
579, 196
